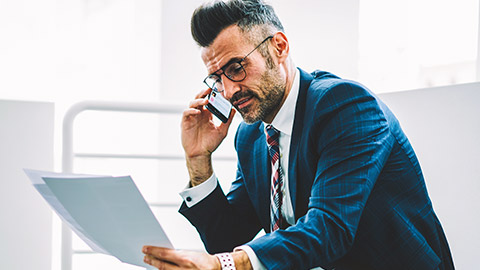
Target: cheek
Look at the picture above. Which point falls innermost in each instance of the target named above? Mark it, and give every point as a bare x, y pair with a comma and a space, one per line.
254, 79
256, 67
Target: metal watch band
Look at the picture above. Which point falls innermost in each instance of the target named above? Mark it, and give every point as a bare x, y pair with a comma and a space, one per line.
226, 261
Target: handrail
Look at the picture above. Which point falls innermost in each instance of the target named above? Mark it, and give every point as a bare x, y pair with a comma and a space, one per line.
67, 147
71, 114
158, 157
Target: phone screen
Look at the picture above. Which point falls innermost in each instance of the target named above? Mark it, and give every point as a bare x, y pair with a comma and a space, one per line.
219, 106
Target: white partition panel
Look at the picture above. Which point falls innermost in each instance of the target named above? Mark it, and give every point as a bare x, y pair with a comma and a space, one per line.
443, 125
26, 141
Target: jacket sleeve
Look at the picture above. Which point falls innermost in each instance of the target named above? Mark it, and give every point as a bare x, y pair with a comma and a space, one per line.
224, 223
352, 143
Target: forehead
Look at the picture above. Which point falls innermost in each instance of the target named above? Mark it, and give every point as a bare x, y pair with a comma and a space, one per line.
230, 43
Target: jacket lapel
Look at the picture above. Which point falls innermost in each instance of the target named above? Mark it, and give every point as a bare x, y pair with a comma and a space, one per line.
293, 177
263, 171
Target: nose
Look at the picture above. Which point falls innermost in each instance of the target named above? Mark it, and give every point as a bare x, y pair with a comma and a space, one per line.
229, 87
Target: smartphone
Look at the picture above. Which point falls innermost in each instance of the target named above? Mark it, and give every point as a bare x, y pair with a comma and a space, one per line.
219, 106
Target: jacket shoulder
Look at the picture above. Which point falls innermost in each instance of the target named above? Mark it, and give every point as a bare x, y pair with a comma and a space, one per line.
327, 83
328, 92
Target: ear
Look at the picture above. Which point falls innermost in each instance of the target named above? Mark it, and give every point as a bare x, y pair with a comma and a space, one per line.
280, 46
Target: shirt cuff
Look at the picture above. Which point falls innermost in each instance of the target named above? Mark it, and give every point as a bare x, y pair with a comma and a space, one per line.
256, 264
193, 195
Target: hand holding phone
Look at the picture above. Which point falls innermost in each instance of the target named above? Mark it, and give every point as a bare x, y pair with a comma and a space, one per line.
219, 106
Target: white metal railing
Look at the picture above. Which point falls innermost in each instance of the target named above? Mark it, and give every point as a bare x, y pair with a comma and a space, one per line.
68, 155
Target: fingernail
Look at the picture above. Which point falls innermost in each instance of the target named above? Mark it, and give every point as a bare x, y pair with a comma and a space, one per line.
146, 259
144, 249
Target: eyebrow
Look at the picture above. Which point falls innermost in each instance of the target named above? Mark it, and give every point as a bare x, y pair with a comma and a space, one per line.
231, 61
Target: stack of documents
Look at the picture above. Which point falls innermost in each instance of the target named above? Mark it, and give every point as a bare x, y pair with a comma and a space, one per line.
108, 213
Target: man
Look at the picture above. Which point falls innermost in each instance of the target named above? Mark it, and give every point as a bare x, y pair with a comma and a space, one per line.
323, 165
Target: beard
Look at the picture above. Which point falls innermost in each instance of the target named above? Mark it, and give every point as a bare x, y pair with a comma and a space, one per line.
268, 98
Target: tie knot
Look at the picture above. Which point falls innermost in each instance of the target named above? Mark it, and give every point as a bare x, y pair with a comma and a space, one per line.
272, 135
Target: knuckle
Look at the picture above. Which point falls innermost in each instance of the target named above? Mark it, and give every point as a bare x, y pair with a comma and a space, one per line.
159, 264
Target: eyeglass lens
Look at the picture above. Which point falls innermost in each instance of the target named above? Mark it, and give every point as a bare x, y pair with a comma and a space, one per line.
234, 72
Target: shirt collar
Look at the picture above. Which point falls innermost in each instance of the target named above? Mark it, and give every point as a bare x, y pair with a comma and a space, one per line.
283, 121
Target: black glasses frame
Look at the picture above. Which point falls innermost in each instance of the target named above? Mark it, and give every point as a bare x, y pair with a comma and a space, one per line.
222, 70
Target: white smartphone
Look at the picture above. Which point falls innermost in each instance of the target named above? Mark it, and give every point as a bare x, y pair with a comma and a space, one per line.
219, 106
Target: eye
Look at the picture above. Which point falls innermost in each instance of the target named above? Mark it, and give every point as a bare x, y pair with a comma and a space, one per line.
234, 70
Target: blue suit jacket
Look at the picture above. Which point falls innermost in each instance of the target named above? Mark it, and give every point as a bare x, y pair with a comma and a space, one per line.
357, 189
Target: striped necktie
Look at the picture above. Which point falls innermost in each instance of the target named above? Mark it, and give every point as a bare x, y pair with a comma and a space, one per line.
277, 221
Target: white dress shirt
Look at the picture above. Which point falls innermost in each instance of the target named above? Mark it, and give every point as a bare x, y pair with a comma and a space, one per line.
283, 122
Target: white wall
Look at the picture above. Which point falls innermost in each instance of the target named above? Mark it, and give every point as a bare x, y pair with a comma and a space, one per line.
26, 141
478, 45
443, 125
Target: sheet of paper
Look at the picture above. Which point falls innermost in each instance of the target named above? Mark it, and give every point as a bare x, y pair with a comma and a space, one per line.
109, 212
40, 185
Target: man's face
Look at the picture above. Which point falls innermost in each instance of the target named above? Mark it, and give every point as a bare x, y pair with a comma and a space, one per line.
259, 95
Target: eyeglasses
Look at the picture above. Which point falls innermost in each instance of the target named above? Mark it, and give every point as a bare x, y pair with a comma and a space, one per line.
233, 71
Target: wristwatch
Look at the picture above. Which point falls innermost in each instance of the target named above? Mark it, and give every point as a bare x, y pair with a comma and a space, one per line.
226, 261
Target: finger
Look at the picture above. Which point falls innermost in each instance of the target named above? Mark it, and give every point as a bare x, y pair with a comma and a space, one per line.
203, 93
198, 102
190, 112
164, 254
159, 264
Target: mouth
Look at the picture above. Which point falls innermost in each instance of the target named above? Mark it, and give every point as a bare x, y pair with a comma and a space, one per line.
243, 102
243, 99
